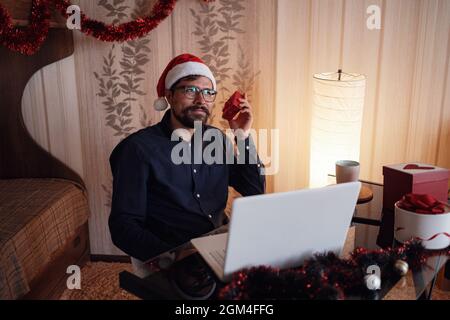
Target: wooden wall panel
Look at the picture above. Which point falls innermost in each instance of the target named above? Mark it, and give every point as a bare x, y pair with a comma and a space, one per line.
34, 111
94, 138
50, 111
326, 35
443, 152
429, 81
293, 80
62, 112
396, 84
264, 61
361, 50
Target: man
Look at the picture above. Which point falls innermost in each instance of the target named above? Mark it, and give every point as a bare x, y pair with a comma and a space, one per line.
158, 204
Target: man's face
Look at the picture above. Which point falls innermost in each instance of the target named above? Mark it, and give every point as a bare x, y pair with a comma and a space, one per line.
187, 109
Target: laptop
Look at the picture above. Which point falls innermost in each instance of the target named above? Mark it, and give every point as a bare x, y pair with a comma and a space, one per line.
281, 230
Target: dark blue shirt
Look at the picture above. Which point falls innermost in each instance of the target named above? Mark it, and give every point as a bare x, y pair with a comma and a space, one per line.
158, 204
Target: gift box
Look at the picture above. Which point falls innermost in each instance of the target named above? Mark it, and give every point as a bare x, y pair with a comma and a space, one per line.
231, 107
422, 218
418, 178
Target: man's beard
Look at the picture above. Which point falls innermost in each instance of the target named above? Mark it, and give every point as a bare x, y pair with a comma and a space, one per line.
187, 118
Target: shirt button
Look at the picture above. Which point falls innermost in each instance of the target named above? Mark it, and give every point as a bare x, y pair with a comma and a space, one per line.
258, 165
247, 147
210, 216
195, 170
198, 195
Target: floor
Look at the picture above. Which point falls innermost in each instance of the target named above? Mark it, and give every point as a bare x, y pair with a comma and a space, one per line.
100, 281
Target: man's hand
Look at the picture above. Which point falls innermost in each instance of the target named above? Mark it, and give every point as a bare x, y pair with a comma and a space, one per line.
243, 121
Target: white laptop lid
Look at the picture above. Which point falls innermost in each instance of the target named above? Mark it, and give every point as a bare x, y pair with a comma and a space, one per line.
283, 229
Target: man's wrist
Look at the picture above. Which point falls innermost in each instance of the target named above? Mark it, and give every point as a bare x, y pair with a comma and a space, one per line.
240, 134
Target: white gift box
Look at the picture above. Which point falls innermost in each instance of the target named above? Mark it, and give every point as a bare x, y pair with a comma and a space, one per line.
433, 230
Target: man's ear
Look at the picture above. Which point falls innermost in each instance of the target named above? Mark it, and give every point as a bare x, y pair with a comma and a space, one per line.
169, 96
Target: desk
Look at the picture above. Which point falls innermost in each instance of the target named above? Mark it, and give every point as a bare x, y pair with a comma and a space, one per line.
373, 229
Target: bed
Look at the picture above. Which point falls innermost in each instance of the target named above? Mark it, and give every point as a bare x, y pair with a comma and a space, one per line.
41, 220
43, 203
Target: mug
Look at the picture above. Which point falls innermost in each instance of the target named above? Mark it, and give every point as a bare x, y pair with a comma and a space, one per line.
347, 171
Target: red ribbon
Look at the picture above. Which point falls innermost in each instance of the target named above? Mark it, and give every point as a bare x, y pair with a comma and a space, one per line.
435, 236
422, 203
430, 238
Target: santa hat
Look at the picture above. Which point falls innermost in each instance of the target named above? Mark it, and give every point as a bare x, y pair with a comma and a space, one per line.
181, 66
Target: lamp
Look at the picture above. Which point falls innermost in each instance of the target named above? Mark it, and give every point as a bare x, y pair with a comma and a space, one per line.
337, 111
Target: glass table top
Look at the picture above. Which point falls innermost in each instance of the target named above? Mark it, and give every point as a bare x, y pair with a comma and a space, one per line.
181, 273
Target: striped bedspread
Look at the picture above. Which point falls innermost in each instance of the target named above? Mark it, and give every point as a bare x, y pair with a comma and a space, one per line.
37, 216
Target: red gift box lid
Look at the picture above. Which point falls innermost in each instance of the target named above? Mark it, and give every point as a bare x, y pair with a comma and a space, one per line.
231, 107
420, 172
233, 100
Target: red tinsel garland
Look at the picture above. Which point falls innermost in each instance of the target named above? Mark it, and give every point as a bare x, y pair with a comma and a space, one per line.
125, 31
29, 39
325, 276
26, 40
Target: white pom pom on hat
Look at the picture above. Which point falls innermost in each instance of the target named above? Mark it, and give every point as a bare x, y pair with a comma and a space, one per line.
179, 67
161, 104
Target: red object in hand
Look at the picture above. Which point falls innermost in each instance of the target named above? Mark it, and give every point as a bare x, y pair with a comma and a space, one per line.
231, 107
422, 203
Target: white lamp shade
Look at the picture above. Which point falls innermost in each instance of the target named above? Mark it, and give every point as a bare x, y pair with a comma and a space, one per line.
337, 112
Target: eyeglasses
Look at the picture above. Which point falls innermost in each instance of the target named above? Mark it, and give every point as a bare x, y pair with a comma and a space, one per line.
209, 95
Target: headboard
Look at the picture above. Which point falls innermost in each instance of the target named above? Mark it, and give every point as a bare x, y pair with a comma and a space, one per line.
20, 155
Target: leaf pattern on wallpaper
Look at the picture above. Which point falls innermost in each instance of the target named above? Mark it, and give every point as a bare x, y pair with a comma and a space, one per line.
114, 9
142, 9
243, 78
117, 116
121, 80
217, 24
120, 86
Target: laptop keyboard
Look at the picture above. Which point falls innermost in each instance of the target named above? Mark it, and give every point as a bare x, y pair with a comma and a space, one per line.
218, 256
